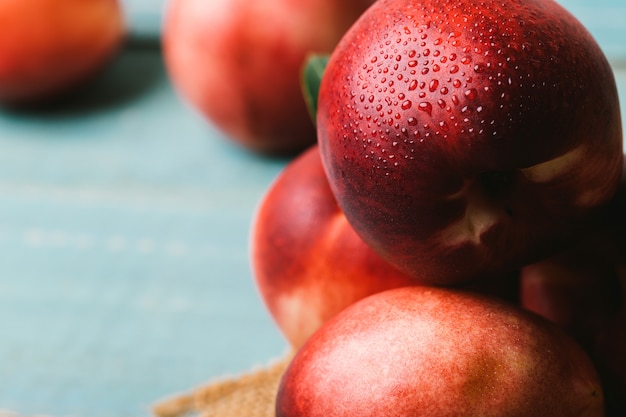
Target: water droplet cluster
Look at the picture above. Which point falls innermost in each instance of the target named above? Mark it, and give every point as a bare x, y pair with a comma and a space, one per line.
451, 73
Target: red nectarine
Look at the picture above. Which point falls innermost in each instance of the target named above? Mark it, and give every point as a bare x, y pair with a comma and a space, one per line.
464, 138
432, 352
308, 262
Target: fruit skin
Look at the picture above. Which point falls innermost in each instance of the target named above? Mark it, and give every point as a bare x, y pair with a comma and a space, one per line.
308, 262
430, 352
49, 47
462, 140
238, 63
583, 290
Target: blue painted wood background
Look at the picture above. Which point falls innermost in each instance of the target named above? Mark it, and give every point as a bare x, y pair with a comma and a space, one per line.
124, 222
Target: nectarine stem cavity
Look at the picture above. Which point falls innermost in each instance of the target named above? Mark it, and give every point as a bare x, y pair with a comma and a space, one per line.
497, 183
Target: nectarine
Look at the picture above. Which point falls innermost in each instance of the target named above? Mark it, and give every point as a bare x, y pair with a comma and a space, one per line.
48, 47
308, 262
432, 352
465, 138
238, 63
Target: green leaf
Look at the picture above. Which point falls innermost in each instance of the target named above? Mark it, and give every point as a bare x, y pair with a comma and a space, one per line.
312, 73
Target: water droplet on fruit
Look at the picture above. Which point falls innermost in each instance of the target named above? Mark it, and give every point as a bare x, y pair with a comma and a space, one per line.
432, 86
412, 121
412, 85
454, 69
412, 53
425, 71
471, 94
412, 63
426, 107
478, 68
456, 83
444, 90
406, 104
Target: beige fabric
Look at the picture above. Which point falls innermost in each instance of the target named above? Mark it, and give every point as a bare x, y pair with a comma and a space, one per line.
249, 395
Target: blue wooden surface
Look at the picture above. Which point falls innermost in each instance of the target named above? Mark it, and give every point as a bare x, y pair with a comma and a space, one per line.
124, 224
606, 20
124, 273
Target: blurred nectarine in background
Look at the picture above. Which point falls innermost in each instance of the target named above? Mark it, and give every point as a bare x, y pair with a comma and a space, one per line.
48, 47
239, 63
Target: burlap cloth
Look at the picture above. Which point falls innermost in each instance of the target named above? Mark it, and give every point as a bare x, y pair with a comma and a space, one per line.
251, 394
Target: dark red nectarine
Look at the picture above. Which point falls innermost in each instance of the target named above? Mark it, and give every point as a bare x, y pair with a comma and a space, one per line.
466, 138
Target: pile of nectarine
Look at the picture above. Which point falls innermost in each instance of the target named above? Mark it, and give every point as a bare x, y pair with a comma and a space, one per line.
455, 244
